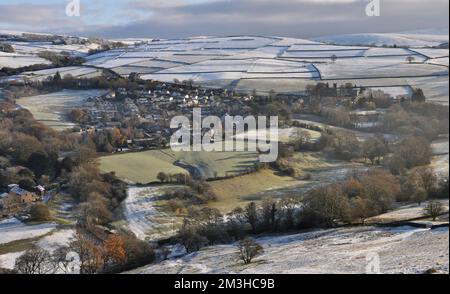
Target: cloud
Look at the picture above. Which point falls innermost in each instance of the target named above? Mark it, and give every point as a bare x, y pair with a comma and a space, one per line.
155, 4
28, 14
38, 17
182, 18
300, 18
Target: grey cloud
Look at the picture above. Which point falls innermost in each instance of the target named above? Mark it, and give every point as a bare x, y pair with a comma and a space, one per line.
296, 18
285, 18
42, 18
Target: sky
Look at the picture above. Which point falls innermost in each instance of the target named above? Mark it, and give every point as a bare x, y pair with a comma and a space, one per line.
187, 18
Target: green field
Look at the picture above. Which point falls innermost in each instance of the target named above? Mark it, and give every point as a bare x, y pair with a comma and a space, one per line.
257, 186
143, 167
140, 167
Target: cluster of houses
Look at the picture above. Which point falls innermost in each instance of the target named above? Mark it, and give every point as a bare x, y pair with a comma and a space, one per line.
404, 94
152, 109
17, 196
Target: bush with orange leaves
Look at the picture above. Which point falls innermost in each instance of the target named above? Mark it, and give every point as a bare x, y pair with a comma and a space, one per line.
114, 249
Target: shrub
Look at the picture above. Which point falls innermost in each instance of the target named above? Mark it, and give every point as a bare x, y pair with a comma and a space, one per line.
434, 209
191, 239
137, 252
410, 152
249, 249
381, 189
346, 146
6, 48
327, 205
40, 212
162, 177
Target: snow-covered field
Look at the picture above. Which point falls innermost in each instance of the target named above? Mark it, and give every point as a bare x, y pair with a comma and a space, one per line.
404, 212
14, 60
37, 47
379, 52
349, 250
46, 236
74, 71
436, 89
52, 239
359, 68
26, 53
244, 63
14, 230
56, 240
144, 218
432, 53
319, 54
8, 260
439, 61
424, 38
51, 109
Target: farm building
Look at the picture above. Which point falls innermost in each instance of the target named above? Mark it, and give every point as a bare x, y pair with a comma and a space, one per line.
17, 195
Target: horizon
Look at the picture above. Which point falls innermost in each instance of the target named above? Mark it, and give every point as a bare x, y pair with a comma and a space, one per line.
427, 31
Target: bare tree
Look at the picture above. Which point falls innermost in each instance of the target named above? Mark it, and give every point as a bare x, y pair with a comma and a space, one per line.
249, 249
61, 260
414, 188
34, 261
360, 209
374, 148
434, 209
419, 196
428, 179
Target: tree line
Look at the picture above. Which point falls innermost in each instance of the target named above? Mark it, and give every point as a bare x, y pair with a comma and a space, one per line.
353, 201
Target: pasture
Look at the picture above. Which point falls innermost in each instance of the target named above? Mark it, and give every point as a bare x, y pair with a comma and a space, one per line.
143, 167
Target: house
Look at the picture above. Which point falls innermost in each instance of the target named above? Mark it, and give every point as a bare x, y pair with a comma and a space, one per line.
40, 191
23, 195
17, 195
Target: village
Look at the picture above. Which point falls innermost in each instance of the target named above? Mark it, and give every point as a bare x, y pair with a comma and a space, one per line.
148, 110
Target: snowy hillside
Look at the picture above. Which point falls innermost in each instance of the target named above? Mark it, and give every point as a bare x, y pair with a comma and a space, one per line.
244, 63
421, 38
400, 250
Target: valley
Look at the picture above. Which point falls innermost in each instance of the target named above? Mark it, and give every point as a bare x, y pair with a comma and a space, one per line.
361, 170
